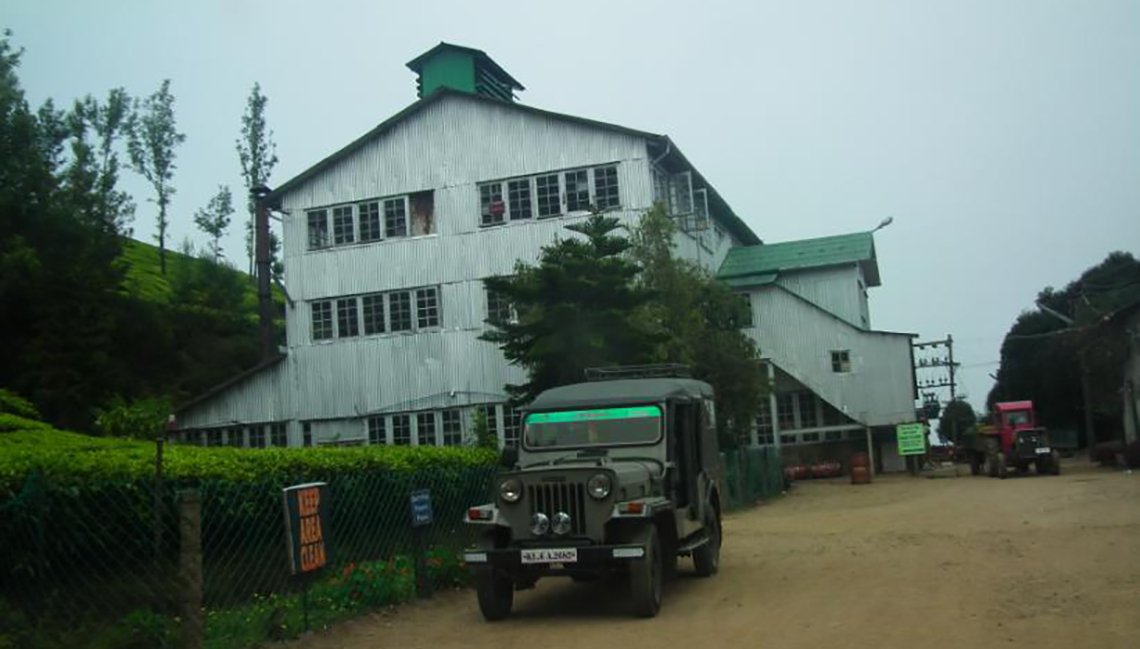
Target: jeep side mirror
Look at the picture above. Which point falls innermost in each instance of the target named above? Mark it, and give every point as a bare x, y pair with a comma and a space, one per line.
509, 457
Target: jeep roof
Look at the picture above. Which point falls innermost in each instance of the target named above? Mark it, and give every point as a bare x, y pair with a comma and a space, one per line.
619, 392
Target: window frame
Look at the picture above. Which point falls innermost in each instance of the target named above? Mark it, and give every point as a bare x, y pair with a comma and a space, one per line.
311, 219
841, 361
430, 431
373, 425
406, 420
548, 194
428, 314
328, 320
406, 207
451, 427
343, 234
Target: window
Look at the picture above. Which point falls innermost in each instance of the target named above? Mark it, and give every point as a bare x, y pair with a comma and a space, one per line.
764, 417
498, 308
765, 440
347, 323
810, 437
808, 417
425, 429
400, 310
833, 435
214, 437
518, 199
192, 438
318, 229
512, 424
785, 411
257, 436
306, 434
491, 206
490, 411
452, 428
841, 361
577, 190
373, 308
427, 307
395, 218
377, 431
343, 230
787, 439
401, 430
322, 320
606, 188
370, 221
234, 436
278, 435
546, 191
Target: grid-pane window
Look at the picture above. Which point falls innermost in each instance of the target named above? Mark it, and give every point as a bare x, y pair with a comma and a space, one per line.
787, 439
322, 319
577, 190
518, 197
257, 436
427, 307
452, 428
546, 194
401, 430
785, 411
395, 218
318, 229
498, 307
491, 207
214, 437
425, 429
833, 435
277, 434
606, 188
347, 323
764, 417
234, 436
377, 431
306, 434
512, 424
765, 439
808, 418
810, 437
372, 307
370, 221
841, 361
490, 411
400, 310
343, 230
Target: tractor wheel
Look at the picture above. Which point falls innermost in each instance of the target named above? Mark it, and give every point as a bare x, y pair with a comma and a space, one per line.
991, 465
1000, 466
1055, 463
646, 576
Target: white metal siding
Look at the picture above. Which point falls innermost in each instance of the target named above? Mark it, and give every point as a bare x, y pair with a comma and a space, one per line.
835, 289
799, 338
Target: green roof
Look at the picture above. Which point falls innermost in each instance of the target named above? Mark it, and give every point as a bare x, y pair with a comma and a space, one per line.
747, 265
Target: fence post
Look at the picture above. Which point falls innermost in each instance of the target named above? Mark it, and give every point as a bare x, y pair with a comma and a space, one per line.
157, 488
190, 568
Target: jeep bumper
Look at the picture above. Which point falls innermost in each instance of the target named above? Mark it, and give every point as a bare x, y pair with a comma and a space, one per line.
554, 559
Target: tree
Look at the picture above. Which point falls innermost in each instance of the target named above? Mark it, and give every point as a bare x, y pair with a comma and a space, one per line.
214, 219
258, 155
958, 411
95, 167
577, 308
698, 321
152, 144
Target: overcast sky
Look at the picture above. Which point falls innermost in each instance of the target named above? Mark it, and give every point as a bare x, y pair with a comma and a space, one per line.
1003, 137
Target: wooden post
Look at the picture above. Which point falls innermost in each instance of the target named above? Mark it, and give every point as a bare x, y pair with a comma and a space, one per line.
870, 453
157, 487
190, 568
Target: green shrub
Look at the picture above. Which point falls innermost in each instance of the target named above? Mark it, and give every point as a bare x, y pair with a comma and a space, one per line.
13, 404
140, 419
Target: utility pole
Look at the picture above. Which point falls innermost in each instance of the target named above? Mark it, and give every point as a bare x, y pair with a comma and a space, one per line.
261, 254
953, 395
948, 380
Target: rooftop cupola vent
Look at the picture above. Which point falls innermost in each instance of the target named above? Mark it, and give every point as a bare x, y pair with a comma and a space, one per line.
462, 68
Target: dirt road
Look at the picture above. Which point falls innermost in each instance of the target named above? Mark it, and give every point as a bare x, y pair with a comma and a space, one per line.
906, 562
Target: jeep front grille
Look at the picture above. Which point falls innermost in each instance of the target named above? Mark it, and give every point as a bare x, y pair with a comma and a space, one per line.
552, 498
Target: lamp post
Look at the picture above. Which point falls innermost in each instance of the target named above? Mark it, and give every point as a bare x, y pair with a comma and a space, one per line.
884, 223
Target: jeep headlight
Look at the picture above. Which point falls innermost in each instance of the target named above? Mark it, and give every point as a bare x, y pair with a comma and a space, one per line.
510, 490
599, 486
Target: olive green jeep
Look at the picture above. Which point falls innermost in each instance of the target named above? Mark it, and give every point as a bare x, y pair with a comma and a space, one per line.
616, 476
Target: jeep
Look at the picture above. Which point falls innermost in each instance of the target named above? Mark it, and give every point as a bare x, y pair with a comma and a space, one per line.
615, 477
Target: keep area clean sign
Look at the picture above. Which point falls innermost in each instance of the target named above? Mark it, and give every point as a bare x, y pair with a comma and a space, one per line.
306, 526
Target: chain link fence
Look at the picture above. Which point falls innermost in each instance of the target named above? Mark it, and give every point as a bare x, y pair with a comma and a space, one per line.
752, 475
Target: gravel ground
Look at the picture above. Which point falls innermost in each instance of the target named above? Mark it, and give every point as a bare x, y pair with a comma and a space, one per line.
906, 562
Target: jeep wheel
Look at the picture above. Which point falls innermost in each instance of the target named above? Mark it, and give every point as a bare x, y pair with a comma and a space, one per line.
706, 558
645, 576
496, 593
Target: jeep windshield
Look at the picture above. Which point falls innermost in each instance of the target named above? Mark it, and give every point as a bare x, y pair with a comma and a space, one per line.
588, 428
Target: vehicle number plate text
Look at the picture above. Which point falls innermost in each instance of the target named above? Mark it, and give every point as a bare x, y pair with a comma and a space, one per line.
1043, 450
550, 555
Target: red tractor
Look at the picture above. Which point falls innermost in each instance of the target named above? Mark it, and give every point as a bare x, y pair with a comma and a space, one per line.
1014, 441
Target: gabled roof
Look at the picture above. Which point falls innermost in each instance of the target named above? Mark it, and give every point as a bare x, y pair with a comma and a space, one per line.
416, 64
766, 259
735, 224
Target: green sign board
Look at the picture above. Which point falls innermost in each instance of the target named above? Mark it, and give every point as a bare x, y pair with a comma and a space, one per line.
912, 439
593, 415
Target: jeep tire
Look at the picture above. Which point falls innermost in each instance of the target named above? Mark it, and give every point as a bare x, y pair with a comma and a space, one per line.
646, 576
706, 557
496, 593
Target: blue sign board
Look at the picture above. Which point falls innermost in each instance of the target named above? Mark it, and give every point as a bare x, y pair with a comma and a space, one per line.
421, 507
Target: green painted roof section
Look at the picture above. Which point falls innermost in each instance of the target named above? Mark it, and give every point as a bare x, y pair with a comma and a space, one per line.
773, 258
748, 281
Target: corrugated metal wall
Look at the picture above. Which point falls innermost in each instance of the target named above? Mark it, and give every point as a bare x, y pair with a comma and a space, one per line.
835, 289
799, 338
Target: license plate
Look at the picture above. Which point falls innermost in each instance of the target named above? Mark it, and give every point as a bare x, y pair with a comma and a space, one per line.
550, 555
1043, 450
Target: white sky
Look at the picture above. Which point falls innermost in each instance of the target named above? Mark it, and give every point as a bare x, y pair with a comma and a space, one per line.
1003, 137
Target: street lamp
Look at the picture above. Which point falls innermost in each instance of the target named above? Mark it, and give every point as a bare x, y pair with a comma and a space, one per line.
884, 223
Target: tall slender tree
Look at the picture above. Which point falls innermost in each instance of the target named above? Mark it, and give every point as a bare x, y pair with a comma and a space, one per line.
95, 167
214, 219
151, 146
258, 155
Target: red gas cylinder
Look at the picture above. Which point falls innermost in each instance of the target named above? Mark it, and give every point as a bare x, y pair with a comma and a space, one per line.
860, 475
